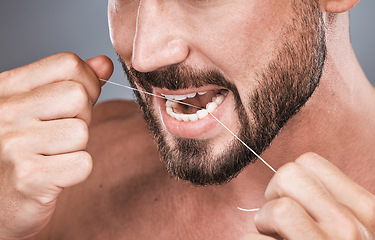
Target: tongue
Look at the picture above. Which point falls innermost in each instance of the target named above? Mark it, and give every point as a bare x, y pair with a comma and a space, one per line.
198, 101
206, 98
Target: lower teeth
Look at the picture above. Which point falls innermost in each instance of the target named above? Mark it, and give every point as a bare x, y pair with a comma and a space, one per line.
210, 107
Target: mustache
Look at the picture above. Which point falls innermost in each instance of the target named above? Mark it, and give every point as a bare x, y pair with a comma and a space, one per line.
179, 76
175, 77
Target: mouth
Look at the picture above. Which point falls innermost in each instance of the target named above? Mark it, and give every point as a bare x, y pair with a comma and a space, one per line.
193, 120
199, 106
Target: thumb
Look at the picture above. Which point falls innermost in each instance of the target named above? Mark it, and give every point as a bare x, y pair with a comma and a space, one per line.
102, 67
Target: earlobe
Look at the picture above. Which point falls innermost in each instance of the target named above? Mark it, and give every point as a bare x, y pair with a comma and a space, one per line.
337, 6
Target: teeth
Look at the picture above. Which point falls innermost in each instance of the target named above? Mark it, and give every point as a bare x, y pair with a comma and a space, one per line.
178, 116
169, 97
219, 99
170, 111
181, 97
185, 117
169, 103
191, 95
224, 92
200, 114
193, 117
211, 106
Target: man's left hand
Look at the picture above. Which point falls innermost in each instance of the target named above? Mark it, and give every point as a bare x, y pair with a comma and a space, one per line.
312, 199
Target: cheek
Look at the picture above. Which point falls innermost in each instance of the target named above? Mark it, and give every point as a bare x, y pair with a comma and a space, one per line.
246, 37
244, 42
122, 26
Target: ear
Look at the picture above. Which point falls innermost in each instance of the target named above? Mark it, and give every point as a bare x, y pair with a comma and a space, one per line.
337, 6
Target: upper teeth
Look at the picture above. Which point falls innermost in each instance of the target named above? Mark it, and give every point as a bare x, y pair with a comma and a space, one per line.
210, 107
180, 97
189, 95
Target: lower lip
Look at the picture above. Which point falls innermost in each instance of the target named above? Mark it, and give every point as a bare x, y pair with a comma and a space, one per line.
202, 129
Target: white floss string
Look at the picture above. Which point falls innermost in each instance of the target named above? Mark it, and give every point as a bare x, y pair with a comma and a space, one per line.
222, 124
248, 210
124, 86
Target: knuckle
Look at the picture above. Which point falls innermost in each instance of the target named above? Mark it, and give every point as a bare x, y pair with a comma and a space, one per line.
72, 61
371, 211
6, 75
84, 164
47, 201
7, 114
284, 176
307, 159
9, 145
6, 80
353, 232
283, 207
81, 131
4, 109
78, 93
353, 228
23, 176
75, 131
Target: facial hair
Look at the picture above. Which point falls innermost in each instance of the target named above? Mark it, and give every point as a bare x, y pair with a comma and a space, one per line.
284, 86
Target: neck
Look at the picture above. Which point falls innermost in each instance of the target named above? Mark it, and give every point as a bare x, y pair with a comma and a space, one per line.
337, 122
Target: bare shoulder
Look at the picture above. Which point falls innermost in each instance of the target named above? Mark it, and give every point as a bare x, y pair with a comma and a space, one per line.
115, 109
118, 132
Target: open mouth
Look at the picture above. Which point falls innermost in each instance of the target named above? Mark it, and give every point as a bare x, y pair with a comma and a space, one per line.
191, 118
201, 104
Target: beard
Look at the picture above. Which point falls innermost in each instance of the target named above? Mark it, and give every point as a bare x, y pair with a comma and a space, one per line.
283, 87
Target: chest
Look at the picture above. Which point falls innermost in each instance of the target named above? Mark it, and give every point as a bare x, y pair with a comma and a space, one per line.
131, 196
147, 212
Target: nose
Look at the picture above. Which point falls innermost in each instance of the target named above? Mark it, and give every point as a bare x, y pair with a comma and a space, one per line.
159, 38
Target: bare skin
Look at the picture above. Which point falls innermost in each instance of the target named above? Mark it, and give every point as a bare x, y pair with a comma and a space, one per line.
141, 194
45, 164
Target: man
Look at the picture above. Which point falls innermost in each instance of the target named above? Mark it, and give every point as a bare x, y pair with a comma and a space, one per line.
280, 74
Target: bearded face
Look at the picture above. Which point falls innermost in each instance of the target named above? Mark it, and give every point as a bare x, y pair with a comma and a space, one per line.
192, 144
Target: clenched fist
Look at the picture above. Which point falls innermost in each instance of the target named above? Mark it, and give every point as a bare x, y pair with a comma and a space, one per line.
312, 199
45, 110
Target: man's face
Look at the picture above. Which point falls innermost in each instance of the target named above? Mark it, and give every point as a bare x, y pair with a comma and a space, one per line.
258, 60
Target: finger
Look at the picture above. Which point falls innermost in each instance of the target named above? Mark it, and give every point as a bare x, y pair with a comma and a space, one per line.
57, 137
256, 236
49, 174
285, 218
342, 188
58, 100
293, 181
102, 66
59, 67
69, 169
46, 138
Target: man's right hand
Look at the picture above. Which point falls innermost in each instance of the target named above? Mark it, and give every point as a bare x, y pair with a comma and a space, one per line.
45, 110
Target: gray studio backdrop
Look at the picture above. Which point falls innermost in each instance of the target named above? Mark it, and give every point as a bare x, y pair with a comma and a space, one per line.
33, 29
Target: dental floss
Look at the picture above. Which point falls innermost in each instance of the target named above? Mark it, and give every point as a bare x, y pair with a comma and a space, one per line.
134, 89
248, 210
222, 124
234, 135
